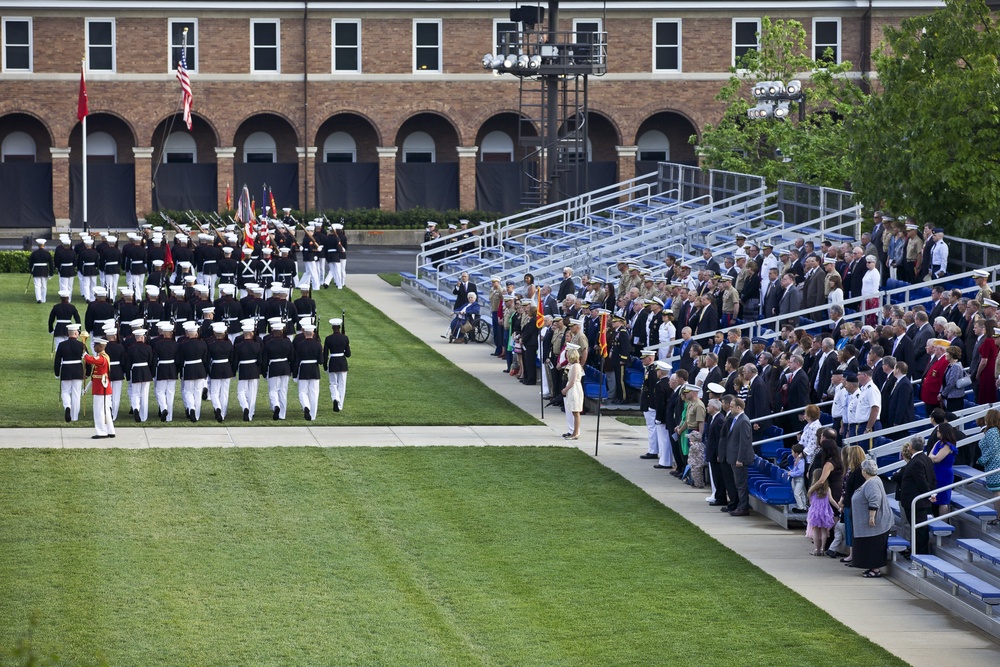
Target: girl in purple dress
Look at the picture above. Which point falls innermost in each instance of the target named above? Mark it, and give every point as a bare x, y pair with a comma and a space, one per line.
820, 518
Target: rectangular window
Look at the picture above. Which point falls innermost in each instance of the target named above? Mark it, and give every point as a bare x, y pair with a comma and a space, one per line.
585, 30
346, 45
666, 45
16, 45
176, 27
265, 45
504, 33
101, 45
826, 35
427, 46
745, 38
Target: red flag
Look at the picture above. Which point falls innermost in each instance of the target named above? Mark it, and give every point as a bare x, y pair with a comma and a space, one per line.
229, 198
82, 108
274, 207
602, 341
245, 215
168, 260
253, 207
540, 315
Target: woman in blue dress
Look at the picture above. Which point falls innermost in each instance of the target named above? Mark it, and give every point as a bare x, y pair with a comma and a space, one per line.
943, 456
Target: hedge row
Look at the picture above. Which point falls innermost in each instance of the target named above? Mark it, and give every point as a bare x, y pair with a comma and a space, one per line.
14, 261
361, 218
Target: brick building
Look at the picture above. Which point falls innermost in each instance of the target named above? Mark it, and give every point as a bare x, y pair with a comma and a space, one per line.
348, 103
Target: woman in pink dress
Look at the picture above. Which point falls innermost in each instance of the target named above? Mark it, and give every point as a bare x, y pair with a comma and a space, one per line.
987, 365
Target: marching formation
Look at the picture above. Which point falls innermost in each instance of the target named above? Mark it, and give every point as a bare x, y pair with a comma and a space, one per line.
166, 325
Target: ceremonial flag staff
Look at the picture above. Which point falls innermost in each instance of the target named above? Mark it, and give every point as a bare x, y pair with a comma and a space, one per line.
82, 110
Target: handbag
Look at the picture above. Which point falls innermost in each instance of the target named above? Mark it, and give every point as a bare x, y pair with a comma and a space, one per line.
467, 327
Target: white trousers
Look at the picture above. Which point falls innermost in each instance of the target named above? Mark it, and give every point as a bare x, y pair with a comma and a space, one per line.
41, 289
191, 395
66, 284
209, 281
544, 372
87, 284
218, 391
309, 396
341, 276
115, 398
277, 391
136, 283
653, 446
569, 422
70, 392
58, 339
165, 391
110, 281
246, 394
322, 268
663, 443
331, 273
312, 276
103, 423
338, 387
138, 394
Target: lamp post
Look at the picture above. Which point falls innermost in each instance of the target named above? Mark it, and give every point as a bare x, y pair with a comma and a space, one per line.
774, 97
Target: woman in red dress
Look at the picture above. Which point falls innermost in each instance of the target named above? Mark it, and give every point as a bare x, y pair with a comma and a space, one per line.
987, 365
104, 423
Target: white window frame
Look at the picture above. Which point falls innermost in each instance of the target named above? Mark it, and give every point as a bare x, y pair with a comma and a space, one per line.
31, 42
839, 45
432, 151
172, 66
353, 152
273, 151
277, 47
334, 47
680, 50
576, 22
733, 36
114, 43
495, 49
440, 46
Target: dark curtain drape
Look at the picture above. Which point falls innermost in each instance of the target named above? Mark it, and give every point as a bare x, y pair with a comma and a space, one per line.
430, 185
599, 175
27, 189
185, 187
110, 195
498, 187
346, 185
282, 178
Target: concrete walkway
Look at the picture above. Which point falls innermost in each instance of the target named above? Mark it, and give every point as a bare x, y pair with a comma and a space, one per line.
912, 628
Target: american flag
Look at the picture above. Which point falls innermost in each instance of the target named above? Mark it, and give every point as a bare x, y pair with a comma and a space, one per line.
182, 76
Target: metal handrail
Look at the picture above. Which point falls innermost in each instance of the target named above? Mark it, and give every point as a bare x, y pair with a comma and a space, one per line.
913, 505
892, 467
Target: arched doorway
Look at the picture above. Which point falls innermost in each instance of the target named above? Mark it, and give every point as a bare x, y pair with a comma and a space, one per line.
590, 161
499, 162
110, 201
267, 162
427, 163
664, 137
184, 169
25, 172
347, 173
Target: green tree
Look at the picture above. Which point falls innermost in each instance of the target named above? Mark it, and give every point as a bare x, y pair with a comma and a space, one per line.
812, 151
928, 143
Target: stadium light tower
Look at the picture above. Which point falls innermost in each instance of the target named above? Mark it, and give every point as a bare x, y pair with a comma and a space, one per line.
774, 99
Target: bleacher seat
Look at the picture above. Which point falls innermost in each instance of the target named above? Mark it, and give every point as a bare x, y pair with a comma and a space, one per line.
959, 578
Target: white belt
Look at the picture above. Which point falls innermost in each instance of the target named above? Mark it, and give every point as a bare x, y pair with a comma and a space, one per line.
336, 354
192, 361
163, 361
63, 321
89, 263
248, 361
140, 364
69, 264
107, 264
308, 361
220, 361
274, 361
69, 363
42, 264
116, 363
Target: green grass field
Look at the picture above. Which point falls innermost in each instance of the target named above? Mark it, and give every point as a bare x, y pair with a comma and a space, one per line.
393, 279
410, 557
395, 379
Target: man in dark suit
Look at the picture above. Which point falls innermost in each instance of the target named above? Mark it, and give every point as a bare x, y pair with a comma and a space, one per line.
740, 454
794, 394
529, 345
462, 291
902, 347
923, 333
709, 320
710, 262
855, 273
713, 435
721, 348
812, 290
772, 296
567, 286
714, 374
889, 383
758, 403
940, 301
550, 305
821, 371
732, 370
916, 478
900, 405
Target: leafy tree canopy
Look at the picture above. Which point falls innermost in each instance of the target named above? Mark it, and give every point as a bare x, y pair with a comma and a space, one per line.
812, 151
928, 144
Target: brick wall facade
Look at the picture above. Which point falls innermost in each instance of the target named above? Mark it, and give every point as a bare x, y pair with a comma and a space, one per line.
378, 107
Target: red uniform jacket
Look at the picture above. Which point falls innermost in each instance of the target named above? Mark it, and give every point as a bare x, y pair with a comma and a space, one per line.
933, 381
99, 377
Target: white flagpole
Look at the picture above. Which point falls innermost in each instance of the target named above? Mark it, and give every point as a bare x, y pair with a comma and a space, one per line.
84, 61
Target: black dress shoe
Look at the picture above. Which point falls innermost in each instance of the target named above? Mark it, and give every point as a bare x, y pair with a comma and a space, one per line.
727, 508
718, 505
131, 411
98, 437
796, 510
66, 414
336, 406
111, 435
649, 456
305, 412
136, 416
204, 393
659, 467
192, 416
277, 411
740, 513
246, 414
163, 415
218, 415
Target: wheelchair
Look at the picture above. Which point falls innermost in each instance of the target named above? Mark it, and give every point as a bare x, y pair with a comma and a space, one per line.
479, 332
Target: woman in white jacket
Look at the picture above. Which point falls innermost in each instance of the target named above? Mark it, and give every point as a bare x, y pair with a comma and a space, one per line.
870, 291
